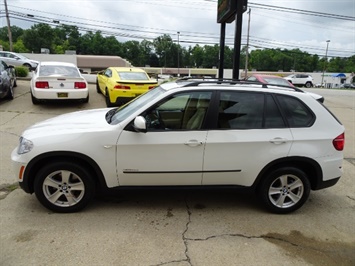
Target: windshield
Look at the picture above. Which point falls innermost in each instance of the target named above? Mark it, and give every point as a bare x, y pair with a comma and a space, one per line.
125, 111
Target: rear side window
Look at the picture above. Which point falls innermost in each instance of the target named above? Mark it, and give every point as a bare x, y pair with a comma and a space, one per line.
240, 110
273, 117
296, 112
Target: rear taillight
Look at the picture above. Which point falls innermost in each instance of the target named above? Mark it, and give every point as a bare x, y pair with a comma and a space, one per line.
339, 142
42, 85
151, 87
80, 85
121, 87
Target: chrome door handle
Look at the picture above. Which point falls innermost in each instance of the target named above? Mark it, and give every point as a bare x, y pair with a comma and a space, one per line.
193, 143
278, 140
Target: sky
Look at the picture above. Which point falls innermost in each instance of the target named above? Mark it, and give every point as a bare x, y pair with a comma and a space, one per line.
271, 25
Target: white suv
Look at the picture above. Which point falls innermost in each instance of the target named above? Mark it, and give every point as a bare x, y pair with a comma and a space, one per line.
300, 80
186, 133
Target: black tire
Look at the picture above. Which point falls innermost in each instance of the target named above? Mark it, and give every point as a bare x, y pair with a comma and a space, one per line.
86, 100
10, 92
308, 84
284, 190
98, 87
27, 65
34, 99
68, 184
107, 98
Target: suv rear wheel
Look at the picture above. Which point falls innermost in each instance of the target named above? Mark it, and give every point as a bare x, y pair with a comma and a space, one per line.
285, 190
308, 84
64, 187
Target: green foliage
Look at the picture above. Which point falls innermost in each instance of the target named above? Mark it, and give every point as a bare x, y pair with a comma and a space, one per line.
21, 71
163, 51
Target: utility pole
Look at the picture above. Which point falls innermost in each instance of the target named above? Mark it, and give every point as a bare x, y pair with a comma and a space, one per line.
247, 51
8, 25
178, 52
325, 61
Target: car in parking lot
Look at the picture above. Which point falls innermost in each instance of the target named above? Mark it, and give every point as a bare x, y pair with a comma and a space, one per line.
58, 81
277, 80
15, 59
7, 81
187, 133
119, 85
304, 80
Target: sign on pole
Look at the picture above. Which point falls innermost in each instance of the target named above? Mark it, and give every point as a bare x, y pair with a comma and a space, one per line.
227, 10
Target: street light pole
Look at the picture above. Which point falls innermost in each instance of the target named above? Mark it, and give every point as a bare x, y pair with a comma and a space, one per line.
247, 50
325, 61
178, 59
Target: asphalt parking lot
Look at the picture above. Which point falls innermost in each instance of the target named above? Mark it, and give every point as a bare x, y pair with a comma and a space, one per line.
174, 227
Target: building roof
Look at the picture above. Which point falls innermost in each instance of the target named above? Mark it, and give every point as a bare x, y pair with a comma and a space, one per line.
100, 61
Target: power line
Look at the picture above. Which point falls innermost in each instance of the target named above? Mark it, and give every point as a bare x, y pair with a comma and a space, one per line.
151, 33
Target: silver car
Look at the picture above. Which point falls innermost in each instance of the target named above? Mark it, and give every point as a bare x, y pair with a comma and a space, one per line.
14, 59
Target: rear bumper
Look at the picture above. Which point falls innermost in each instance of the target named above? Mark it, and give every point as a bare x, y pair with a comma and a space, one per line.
54, 94
325, 184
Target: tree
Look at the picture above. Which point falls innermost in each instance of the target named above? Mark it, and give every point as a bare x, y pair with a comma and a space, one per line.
163, 46
132, 52
211, 56
146, 48
39, 36
197, 55
16, 33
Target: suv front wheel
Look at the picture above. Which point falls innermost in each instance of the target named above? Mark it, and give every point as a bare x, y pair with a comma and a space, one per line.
64, 187
284, 190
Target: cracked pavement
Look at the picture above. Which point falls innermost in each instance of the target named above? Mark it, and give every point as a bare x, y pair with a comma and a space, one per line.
173, 227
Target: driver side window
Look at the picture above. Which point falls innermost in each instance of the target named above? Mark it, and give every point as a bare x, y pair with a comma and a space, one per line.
183, 111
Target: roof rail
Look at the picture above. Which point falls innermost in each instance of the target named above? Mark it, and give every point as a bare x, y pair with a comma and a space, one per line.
197, 81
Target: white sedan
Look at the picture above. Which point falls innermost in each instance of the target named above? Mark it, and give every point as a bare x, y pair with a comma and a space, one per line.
58, 81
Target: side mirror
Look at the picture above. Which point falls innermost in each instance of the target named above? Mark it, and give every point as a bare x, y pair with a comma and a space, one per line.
139, 124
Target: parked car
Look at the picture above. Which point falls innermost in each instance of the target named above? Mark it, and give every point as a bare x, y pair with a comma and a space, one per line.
119, 85
347, 86
276, 80
270, 79
280, 143
15, 59
300, 80
58, 81
7, 81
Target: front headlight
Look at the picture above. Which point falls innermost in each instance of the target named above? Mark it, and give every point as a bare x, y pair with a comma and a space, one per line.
25, 146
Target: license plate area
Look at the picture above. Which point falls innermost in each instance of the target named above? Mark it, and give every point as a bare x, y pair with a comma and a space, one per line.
62, 95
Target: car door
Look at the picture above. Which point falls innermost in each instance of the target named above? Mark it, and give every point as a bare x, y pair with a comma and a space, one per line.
102, 79
171, 151
251, 132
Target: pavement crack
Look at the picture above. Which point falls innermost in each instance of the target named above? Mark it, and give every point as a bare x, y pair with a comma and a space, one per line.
185, 240
350, 197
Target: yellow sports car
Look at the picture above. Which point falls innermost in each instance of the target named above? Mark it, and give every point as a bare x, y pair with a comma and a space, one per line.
119, 85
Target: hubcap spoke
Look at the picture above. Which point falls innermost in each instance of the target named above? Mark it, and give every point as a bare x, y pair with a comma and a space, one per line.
283, 180
77, 186
54, 197
280, 201
51, 183
296, 184
295, 198
274, 191
65, 176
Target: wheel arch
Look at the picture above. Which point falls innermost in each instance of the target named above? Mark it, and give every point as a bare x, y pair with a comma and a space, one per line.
35, 164
309, 166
